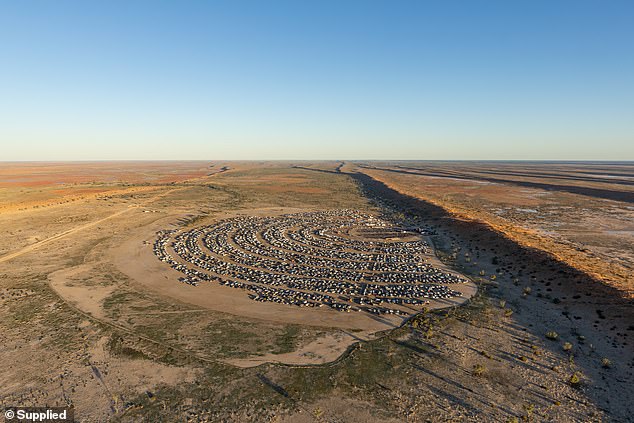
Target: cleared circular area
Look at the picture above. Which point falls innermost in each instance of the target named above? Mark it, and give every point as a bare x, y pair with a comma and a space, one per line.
344, 260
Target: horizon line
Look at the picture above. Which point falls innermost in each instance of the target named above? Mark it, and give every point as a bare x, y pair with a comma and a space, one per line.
319, 160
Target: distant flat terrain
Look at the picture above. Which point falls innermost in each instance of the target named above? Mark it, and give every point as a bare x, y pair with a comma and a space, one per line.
580, 212
232, 330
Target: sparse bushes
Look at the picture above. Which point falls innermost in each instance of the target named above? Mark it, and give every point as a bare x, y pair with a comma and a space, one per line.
575, 379
567, 346
508, 312
552, 335
486, 354
478, 370
606, 363
493, 277
527, 290
529, 408
482, 272
502, 303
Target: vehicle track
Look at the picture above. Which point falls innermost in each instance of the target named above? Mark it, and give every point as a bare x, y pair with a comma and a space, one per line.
30, 248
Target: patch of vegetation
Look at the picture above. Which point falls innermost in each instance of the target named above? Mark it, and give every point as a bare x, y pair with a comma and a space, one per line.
287, 341
116, 299
116, 346
575, 379
552, 335
478, 370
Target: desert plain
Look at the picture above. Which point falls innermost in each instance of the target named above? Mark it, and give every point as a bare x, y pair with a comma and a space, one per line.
540, 326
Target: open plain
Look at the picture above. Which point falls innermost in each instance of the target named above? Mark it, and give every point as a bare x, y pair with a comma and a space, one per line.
318, 292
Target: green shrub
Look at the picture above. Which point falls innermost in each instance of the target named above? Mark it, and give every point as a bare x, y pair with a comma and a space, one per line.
478, 369
552, 335
575, 379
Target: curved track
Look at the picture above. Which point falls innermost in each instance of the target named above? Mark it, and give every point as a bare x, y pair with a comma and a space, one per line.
342, 259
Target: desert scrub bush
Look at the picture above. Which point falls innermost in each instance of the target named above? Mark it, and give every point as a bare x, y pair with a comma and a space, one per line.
486, 354
482, 272
527, 290
478, 370
575, 379
567, 346
552, 335
502, 303
508, 312
529, 408
513, 420
606, 363
493, 277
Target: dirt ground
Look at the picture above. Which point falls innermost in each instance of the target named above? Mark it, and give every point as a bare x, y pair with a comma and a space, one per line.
91, 319
545, 207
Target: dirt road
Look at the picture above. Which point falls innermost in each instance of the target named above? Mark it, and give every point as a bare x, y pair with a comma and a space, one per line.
71, 231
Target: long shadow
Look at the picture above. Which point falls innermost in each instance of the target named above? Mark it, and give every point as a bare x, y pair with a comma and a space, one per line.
277, 388
460, 387
579, 294
624, 196
415, 348
534, 173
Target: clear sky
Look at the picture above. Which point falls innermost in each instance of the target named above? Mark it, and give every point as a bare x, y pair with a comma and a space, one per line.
317, 80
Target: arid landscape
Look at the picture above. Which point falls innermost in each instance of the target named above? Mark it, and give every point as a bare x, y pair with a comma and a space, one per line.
319, 291
329, 212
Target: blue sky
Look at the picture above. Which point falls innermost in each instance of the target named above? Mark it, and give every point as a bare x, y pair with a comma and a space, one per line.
317, 80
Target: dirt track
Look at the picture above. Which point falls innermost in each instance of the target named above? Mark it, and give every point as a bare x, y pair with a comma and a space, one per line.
64, 234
